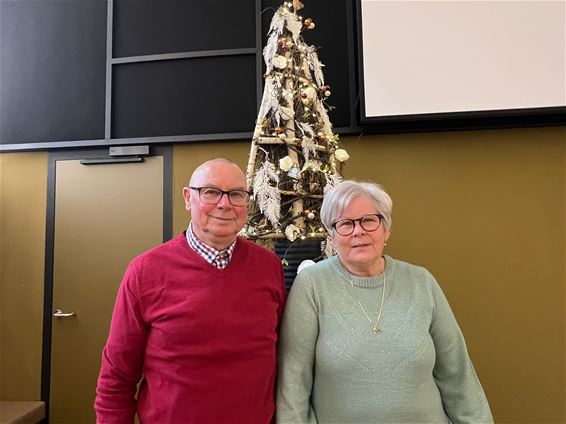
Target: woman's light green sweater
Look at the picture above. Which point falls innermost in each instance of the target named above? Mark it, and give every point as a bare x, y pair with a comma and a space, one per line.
334, 369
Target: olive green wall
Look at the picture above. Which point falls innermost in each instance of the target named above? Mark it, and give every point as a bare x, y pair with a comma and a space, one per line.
485, 211
23, 193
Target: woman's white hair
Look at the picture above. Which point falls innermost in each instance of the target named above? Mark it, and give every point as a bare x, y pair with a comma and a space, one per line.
337, 199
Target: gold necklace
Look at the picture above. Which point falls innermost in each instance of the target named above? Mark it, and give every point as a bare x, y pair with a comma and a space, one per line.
376, 328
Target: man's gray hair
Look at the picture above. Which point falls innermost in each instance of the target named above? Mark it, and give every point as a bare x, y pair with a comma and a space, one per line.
337, 199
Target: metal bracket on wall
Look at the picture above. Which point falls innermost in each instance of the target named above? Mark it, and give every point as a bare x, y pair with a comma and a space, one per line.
107, 161
120, 154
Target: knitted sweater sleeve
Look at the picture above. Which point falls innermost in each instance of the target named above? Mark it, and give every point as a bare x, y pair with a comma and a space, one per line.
122, 358
296, 354
462, 395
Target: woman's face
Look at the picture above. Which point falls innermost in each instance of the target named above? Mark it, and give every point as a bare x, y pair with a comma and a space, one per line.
360, 251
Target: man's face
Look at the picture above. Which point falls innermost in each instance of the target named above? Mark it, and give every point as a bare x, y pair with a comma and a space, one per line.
218, 224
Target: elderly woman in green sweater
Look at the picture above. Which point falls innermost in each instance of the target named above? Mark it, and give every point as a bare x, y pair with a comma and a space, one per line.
367, 338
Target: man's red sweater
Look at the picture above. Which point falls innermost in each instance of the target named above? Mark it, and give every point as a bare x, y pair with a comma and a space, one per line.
203, 339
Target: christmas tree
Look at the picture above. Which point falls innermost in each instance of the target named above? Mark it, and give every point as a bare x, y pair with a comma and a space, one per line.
294, 157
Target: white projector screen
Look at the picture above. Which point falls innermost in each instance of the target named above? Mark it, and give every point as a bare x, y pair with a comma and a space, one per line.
428, 57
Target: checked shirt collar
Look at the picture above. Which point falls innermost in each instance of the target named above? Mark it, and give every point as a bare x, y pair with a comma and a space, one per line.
219, 258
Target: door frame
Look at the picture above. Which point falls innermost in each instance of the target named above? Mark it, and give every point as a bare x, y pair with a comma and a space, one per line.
53, 157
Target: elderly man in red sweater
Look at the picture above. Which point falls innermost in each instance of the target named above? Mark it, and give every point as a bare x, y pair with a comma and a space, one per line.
196, 318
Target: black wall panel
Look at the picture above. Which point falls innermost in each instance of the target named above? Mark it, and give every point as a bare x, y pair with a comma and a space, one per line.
189, 96
143, 27
52, 70
53, 67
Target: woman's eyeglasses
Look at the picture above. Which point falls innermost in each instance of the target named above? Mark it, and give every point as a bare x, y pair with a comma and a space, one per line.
345, 227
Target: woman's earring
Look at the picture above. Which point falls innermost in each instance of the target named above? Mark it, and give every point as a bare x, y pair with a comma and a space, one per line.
384, 243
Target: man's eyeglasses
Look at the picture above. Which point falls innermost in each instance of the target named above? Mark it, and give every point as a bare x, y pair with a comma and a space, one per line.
345, 227
211, 196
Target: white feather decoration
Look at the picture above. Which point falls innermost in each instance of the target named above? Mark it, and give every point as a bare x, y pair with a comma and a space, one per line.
264, 175
315, 65
307, 129
270, 205
278, 22
288, 96
294, 25
265, 101
326, 125
269, 100
307, 142
269, 51
331, 181
309, 147
267, 196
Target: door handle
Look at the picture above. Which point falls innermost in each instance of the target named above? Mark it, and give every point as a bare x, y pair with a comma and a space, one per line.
60, 314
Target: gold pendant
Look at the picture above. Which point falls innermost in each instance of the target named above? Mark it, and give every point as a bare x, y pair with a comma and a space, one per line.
376, 329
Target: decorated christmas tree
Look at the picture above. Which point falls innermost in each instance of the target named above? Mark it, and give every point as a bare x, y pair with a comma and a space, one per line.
294, 157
